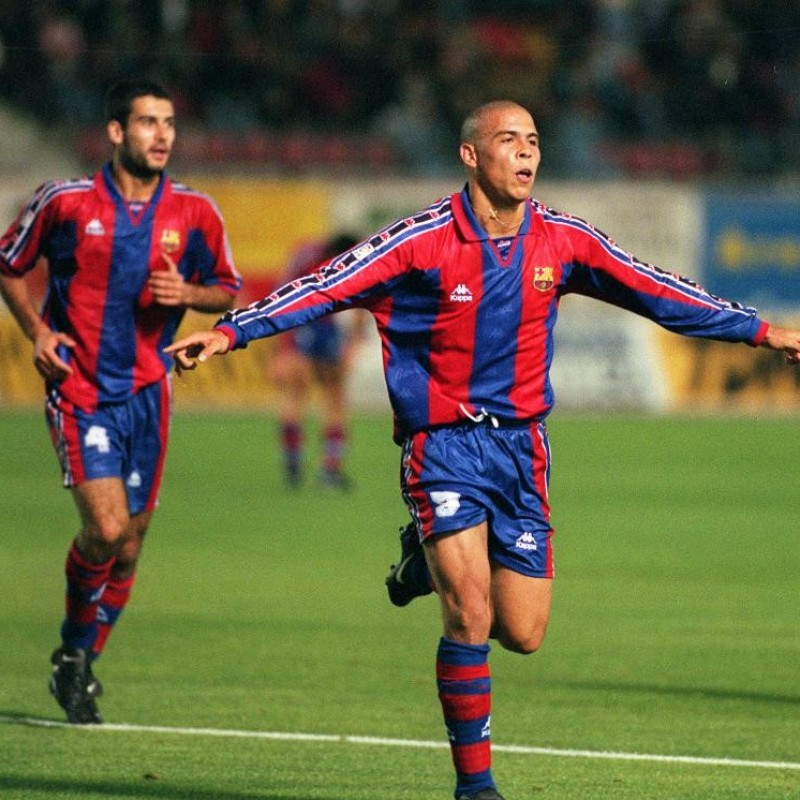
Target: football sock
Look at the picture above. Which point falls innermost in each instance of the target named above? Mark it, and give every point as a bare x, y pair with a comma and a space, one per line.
334, 439
292, 443
85, 582
465, 692
115, 597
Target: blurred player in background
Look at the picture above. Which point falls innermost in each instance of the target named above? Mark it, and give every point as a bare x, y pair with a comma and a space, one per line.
465, 295
316, 356
128, 251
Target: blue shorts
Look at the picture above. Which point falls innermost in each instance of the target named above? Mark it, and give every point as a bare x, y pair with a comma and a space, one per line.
457, 477
125, 440
320, 340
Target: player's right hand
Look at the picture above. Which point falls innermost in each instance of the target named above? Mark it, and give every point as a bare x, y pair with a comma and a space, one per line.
45, 354
196, 348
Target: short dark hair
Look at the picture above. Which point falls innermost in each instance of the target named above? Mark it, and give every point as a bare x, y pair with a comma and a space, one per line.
120, 97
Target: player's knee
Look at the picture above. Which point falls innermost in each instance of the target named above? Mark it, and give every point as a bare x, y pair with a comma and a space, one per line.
127, 557
467, 621
525, 642
107, 531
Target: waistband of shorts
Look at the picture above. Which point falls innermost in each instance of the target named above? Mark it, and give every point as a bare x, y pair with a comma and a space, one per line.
502, 423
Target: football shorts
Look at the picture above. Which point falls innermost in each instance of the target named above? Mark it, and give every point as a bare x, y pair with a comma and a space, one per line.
458, 476
126, 440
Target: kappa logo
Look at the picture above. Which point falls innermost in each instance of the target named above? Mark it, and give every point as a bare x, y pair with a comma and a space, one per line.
461, 294
526, 542
543, 278
134, 480
447, 503
94, 228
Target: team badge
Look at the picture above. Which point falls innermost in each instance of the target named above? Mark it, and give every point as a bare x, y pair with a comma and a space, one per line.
543, 278
170, 241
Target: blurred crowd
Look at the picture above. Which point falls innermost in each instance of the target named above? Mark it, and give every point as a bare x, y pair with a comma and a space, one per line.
673, 87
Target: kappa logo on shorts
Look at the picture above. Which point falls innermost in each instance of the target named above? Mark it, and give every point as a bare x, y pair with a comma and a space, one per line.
134, 480
526, 542
447, 503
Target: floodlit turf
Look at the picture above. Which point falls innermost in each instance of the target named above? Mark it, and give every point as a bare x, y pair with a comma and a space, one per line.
675, 630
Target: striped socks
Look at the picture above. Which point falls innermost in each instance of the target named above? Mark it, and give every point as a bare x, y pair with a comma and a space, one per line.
465, 692
112, 602
85, 585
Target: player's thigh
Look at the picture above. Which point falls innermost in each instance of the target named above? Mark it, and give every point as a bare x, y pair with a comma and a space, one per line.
459, 565
103, 508
329, 373
521, 606
330, 378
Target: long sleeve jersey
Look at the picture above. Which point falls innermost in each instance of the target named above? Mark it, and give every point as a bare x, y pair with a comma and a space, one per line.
467, 321
100, 252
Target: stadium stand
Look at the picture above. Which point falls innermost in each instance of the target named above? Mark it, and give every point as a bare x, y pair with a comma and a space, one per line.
674, 88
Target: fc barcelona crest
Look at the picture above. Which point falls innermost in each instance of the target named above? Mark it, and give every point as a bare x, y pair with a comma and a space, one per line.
543, 278
170, 241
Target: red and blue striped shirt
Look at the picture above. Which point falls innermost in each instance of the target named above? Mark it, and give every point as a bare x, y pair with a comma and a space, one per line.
100, 251
467, 321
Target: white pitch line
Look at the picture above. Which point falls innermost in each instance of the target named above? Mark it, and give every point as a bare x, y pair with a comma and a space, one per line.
418, 743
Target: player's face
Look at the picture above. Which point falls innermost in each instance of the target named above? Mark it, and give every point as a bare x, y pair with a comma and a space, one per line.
505, 155
145, 143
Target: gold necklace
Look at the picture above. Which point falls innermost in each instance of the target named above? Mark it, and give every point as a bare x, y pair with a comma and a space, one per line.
493, 215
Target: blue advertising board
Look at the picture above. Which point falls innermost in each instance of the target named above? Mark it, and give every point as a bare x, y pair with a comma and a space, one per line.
750, 249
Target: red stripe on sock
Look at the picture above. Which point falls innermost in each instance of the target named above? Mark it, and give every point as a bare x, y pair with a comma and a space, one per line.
471, 758
465, 707
90, 575
456, 672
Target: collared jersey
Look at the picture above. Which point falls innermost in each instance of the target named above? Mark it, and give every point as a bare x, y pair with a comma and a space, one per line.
466, 321
99, 254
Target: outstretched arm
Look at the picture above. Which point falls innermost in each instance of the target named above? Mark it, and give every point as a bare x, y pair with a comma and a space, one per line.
784, 339
196, 348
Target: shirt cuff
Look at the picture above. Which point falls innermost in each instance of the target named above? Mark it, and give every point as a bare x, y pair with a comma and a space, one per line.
761, 334
230, 332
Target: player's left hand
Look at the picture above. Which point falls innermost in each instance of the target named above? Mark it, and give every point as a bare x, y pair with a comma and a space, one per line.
784, 339
167, 285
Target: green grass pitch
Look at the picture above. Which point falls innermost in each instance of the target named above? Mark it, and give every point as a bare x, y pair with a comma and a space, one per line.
675, 629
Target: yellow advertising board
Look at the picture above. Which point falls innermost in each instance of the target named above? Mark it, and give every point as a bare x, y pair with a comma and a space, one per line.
705, 375
266, 218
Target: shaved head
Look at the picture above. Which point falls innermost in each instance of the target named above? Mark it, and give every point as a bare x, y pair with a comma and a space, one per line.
470, 129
